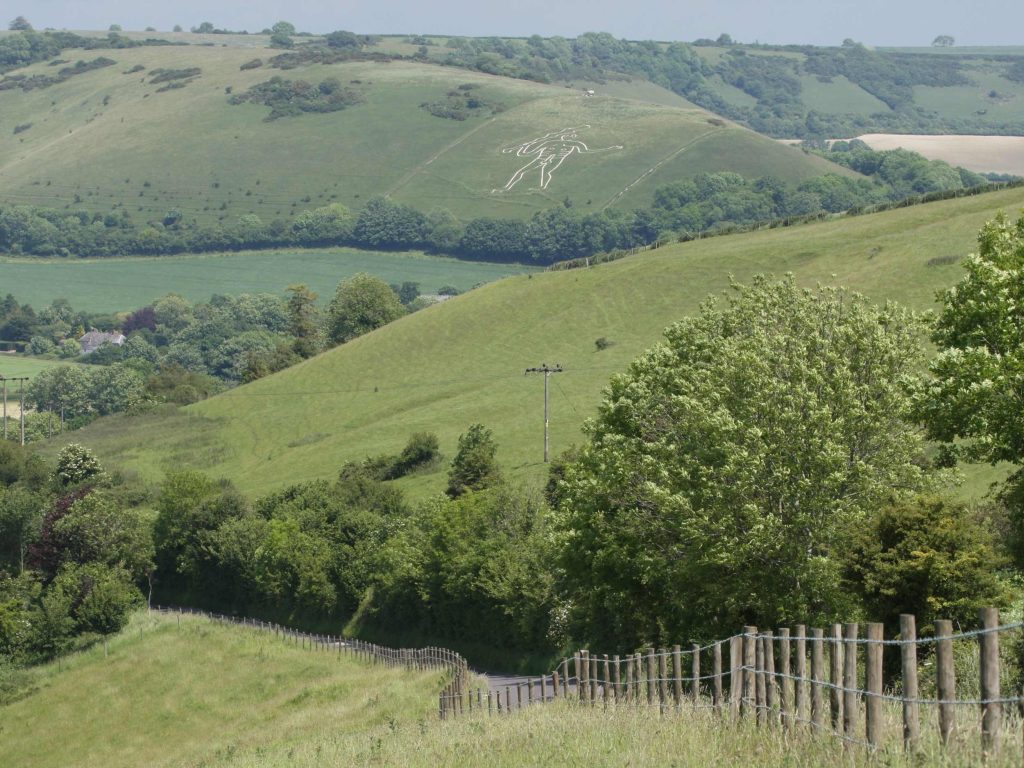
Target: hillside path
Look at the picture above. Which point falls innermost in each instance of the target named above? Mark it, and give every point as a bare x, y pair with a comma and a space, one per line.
668, 158
410, 175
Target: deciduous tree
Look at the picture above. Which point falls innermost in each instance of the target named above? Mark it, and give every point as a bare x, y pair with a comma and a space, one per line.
727, 467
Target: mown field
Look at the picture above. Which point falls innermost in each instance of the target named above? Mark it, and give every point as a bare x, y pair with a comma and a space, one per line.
110, 285
449, 366
198, 694
103, 139
996, 154
23, 365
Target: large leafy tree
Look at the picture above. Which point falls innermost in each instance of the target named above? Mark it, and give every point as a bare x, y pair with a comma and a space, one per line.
975, 400
361, 304
727, 468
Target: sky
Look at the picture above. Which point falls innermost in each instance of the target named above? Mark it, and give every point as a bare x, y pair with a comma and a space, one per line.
818, 22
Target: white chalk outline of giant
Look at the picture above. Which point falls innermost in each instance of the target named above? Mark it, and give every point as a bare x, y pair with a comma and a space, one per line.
547, 153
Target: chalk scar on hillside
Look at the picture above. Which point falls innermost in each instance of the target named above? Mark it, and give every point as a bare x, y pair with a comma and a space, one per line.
546, 155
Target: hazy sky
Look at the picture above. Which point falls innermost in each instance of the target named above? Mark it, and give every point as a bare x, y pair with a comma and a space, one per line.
824, 22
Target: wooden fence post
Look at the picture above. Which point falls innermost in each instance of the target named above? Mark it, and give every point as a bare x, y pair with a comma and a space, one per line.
945, 679
771, 688
617, 685
749, 670
873, 680
629, 678
695, 673
677, 675
785, 700
543, 689
565, 678
581, 675
663, 678
490, 702
817, 677
835, 658
594, 680
735, 675
554, 684
716, 671
851, 706
606, 689
991, 712
908, 660
652, 678
760, 695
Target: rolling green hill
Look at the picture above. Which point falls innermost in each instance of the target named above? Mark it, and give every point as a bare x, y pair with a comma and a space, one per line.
462, 362
145, 136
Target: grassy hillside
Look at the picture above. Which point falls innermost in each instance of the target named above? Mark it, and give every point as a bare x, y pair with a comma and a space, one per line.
109, 285
198, 694
106, 138
449, 366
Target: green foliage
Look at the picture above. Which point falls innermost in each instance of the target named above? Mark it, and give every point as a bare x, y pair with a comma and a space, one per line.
289, 98
463, 103
361, 304
474, 466
972, 400
76, 464
32, 82
927, 556
727, 469
477, 566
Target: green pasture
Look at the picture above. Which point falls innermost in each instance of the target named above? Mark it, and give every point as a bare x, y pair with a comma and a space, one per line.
839, 95
110, 140
462, 362
990, 93
14, 366
111, 285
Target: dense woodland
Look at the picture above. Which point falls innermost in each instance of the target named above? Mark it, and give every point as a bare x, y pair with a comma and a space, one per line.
768, 462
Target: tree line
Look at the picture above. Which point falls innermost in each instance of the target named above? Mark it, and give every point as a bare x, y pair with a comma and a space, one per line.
766, 463
179, 352
681, 209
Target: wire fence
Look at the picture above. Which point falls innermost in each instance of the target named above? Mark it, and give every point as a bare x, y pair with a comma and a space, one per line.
948, 690
945, 689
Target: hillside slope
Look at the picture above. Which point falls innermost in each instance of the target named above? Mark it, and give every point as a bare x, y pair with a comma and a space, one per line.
127, 137
195, 693
462, 362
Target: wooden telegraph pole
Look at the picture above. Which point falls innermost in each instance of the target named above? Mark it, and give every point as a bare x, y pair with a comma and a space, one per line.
547, 371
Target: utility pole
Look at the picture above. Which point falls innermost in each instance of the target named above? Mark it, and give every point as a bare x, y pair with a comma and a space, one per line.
23, 379
547, 371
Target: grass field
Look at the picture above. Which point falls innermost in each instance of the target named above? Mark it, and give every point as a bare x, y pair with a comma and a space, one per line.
108, 285
103, 139
462, 362
22, 365
200, 694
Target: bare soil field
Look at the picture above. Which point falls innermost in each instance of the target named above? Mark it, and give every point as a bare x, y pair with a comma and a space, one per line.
983, 154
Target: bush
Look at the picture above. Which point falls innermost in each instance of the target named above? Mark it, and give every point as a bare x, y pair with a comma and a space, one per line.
76, 464
927, 556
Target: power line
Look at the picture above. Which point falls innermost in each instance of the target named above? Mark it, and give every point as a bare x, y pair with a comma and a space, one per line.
22, 380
